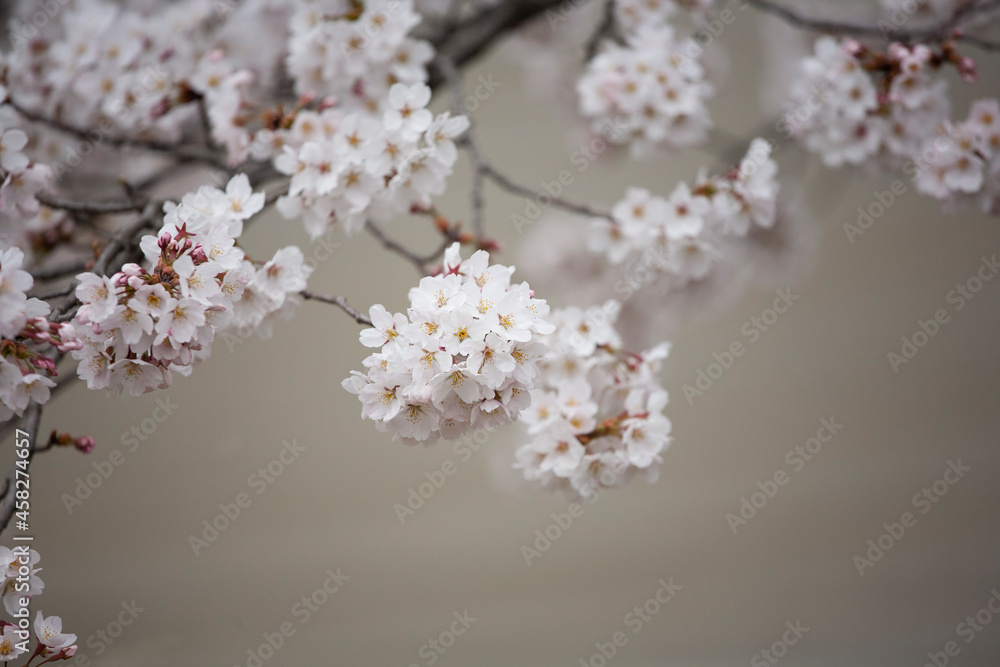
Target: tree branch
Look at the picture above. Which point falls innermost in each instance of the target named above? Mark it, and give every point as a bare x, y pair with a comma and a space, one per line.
338, 301
60, 270
93, 207
182, 152
935, 33
605, 28
396, 247
467, 39
507, 184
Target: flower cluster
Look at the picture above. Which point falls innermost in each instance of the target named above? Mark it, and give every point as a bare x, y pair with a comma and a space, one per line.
464, 356
630, 15
892, 107
25, 373
650, 92
18, 567
597, 411
143, 70
347, 167
141, 325
21, 178
683, 236
356, 51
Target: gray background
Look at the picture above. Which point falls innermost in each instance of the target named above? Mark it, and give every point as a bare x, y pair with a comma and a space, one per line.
333, 507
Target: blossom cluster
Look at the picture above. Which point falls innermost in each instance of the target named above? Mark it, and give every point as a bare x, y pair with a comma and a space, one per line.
596, 412
21, 178
683, 236
140, 325
348, 167
25, 373
356, 51
651, 91
893, 108
464, 356
20, 581
630, 15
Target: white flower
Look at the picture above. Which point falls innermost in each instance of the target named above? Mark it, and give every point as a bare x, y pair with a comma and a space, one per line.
679, 240
407, 110
284, 273
464, 356
243, 201
385, 327
651, 91
98, 295
597, 426
11, 143
50, 634
10, 644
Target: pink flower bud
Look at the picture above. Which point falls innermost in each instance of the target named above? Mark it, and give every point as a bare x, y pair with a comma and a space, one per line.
85, 444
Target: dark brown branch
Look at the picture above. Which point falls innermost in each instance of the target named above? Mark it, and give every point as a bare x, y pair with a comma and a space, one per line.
937, 33
92, 207
467, 39
396, 247
604, 29
60, 270
191, 153
120, 241
504, 182
338, 301
454, 79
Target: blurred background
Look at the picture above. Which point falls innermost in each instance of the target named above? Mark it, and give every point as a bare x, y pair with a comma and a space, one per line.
334, 505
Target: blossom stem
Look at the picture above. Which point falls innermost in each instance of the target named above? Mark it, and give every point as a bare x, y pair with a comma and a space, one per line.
338, 301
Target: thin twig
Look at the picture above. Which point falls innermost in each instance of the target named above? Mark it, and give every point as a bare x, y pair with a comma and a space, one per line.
604, 29
206, 123
454, 78
120, 241
504, 182
980, 43
338, 301
396, 247
272, 197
